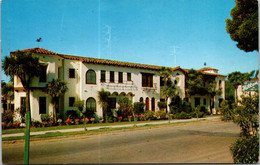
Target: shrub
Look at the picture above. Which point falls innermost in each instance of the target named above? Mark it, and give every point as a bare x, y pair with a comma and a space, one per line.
8, 116
139, 107
149, 115
36, 123
246, 150
182, 115
162, 105
46, 117
160, 114
204, 110
125, 107
72, 114
186, 107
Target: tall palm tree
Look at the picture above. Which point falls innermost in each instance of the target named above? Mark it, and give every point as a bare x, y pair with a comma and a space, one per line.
25, 66
8, 93
193, 83
168, 89
55, 89
236, 78
103, 101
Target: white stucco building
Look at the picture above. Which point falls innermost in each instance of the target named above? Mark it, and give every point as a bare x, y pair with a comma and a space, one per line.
86, 76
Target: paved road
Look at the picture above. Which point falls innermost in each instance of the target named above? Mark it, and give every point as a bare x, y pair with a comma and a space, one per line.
199, 142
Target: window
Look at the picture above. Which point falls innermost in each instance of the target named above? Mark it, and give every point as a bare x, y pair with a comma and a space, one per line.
71, 101
129, 77
219, 83
161, 82
147, 80
23, 102
147, 103
197, 101
43, 74
141, 100
112, 76
153, 104
120, 77
91, 104
103, 76
42, 105
71, 73
204, 101
91, 77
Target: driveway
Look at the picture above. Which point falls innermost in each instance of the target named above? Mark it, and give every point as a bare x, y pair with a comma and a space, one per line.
197, 142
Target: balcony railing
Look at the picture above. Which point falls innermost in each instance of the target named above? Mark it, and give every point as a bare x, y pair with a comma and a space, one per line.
126, 85
153, 88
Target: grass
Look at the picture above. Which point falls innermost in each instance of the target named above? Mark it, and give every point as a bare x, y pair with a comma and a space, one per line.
33, 129
90, 132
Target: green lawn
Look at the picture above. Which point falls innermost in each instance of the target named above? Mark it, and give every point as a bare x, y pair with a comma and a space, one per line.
32, 129
91, 132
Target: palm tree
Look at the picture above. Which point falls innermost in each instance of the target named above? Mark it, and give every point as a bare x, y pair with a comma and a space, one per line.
168, 90
236, 78
8, 93
103, 101
25, 66
213, 91
193, 83
55, 89
80, 105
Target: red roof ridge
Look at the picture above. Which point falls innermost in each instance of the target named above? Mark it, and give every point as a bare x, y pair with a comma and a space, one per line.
208, 68
37, 50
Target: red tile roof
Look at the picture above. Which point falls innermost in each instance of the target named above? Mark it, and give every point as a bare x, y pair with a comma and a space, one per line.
38, 51
112, 62
208, 68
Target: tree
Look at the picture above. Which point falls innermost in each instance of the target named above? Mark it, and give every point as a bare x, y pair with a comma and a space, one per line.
193, 83
236, 78
8, 93
104, 101
245, 114
80, 105
243, 28
25, 66
55, 89
212, 90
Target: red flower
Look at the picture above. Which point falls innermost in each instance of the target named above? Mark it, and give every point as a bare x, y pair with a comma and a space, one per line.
85, 119
129, 116
3, 124
51, 122
68, 121
44, 122
92, 119
76, 120
120, 117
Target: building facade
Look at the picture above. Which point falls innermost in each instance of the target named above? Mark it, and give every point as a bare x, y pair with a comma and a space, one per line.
86, 76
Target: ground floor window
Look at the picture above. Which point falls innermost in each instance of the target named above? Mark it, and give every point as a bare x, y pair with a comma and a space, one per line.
22, 103
91, 104
141, 100
197, 101
147, 103
42, 105
153, 104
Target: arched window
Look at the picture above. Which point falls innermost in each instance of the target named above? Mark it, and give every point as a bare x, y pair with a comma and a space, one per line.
91, 77
141, 100
91, 104
153, 104
147, 105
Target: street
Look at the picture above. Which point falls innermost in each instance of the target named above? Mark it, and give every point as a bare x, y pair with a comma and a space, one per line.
195, 142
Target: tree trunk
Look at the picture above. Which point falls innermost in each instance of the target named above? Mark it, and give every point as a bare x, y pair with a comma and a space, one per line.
236, 97
27, 129
54, 112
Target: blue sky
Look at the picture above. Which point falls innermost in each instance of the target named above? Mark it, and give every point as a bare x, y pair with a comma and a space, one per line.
142, 31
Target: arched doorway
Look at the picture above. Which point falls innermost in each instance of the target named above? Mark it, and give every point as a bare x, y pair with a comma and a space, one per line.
147, 105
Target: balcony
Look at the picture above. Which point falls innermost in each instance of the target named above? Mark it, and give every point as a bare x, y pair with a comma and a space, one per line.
150, 89
126, 85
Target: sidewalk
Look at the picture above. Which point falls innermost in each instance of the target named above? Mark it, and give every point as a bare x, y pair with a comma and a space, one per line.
104, 127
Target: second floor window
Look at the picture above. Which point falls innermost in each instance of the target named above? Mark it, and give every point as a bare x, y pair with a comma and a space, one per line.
112, 76
71, 73
90, 77
120, 77
43, 75
147, 80
129, 77
103, 76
